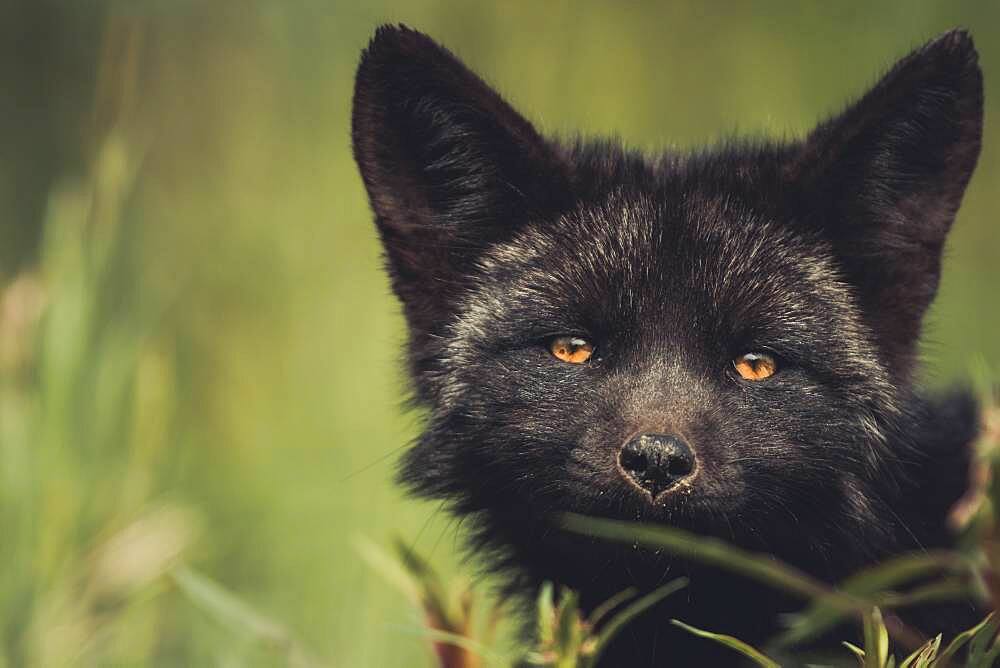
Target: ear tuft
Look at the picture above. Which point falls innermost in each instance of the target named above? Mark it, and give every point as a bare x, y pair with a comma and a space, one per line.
959, 45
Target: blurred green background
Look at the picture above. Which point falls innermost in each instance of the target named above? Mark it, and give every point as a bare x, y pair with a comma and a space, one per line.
199, 354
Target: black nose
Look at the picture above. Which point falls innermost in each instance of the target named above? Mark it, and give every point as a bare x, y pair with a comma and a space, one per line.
656, 462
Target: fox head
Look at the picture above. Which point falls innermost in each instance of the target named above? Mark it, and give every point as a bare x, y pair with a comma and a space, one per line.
722, 340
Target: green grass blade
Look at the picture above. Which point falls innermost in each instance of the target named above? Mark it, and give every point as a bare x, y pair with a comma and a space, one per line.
876, 640
633, 610
568, 631
924, 654
761, 567
604, 608
962, 638
226, 607
736, 644
980, 642
240, 617
434, 594
943, 590
389, 568
821, 616
990, 657
904, 568
546, 615
857, 651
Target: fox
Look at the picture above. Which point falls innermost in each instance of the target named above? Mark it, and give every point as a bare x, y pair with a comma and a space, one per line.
722, 339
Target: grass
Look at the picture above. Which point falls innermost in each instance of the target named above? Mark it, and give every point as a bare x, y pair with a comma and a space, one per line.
199, 360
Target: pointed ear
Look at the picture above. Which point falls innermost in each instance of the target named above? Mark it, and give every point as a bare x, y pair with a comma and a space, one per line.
449, 166
885, 178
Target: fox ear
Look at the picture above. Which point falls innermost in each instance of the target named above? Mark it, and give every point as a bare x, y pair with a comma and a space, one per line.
449, 166
885, 178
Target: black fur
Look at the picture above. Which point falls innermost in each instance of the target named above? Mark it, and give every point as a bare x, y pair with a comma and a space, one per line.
824, 252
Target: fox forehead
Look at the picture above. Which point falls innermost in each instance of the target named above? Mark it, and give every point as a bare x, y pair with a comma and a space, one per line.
633, 243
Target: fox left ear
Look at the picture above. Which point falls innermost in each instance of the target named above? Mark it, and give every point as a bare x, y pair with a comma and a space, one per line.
885, 178
449, 166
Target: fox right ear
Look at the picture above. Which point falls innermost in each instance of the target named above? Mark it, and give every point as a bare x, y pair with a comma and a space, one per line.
885, 178
449, 166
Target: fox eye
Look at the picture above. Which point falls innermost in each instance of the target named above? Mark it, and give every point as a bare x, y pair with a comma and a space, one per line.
755, 366
571, 349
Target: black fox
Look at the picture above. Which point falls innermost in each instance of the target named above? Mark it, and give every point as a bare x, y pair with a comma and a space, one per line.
722, 340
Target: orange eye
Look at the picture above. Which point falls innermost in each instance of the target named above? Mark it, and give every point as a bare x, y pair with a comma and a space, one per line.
571, 349
755, 366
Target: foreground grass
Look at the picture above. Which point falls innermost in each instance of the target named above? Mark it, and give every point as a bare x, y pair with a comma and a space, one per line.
566, 638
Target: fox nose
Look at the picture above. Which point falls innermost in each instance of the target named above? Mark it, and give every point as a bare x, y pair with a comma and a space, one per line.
656, 462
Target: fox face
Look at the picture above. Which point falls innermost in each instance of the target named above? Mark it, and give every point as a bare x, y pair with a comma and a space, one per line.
722, 340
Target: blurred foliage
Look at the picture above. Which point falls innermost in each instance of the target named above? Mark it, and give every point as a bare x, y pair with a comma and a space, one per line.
199, 379
565, 636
